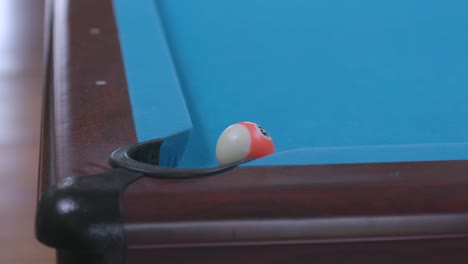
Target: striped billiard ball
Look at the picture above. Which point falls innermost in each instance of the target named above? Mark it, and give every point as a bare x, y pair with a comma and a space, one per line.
243, 140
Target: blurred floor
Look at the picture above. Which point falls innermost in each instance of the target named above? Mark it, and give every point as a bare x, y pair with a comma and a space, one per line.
21, 80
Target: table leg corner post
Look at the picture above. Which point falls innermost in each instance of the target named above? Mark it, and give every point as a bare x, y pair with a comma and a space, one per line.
81, 218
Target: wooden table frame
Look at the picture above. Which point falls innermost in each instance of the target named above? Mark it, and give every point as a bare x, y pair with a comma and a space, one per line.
413, 212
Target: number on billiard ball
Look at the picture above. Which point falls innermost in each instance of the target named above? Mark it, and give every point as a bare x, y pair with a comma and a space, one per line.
241, 141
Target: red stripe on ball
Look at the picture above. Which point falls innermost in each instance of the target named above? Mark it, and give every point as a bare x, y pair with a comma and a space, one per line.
260, 145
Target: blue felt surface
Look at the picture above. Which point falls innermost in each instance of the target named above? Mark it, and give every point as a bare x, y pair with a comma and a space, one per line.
348, 81
158, 104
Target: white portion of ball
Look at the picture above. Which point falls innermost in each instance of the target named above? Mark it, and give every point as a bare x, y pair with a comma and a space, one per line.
233, 144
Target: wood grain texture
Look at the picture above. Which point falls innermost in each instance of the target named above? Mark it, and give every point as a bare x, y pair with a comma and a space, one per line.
88, 114
402, 252
21, 80
304, 191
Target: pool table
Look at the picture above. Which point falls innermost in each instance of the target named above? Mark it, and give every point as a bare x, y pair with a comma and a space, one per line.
366, 102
